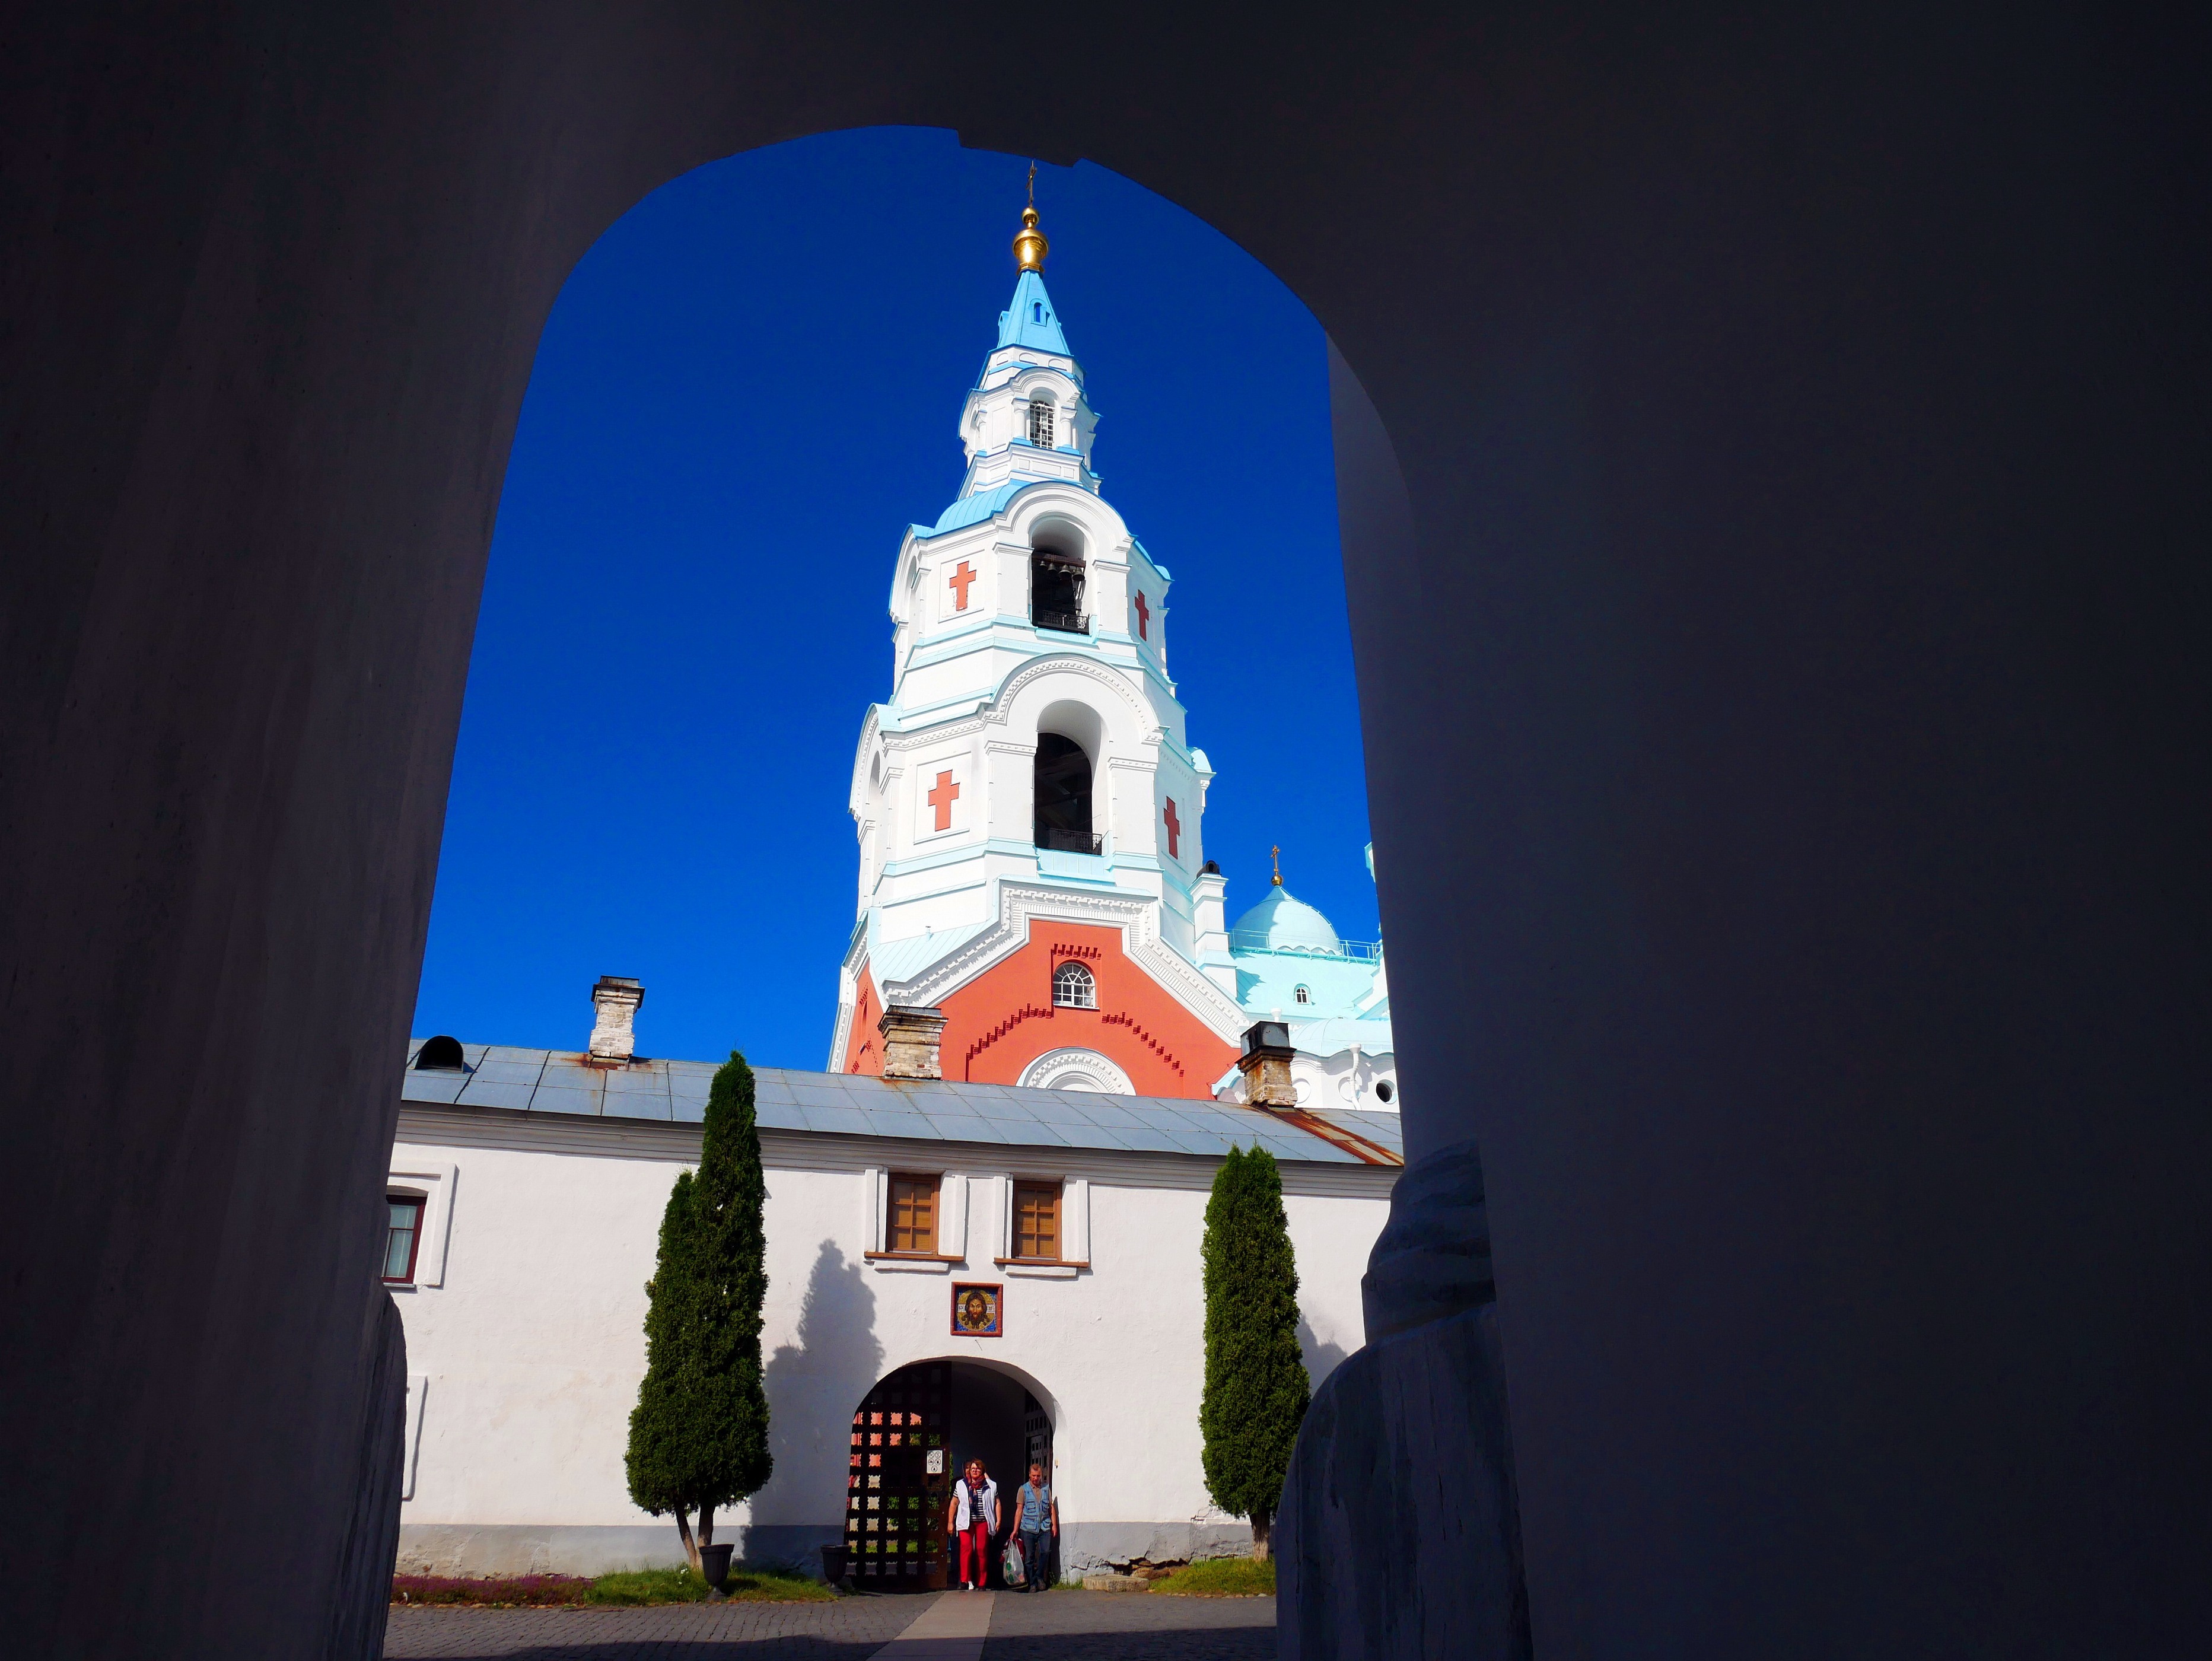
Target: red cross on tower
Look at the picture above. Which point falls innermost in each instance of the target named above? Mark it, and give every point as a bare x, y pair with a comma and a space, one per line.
942, 799
961, 577
1143, 615
1175, 831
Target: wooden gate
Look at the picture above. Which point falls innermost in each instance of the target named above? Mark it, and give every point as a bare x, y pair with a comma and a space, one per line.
899, 1487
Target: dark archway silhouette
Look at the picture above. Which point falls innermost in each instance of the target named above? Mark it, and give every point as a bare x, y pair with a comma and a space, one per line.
1779, 632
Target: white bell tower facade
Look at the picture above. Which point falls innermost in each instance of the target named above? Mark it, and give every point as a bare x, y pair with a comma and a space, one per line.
1030, 775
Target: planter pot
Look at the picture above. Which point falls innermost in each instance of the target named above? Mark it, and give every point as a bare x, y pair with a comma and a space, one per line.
714, 1564
836, 1564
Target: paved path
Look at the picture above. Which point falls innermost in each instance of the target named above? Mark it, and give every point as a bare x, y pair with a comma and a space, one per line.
1060, 1626
951, 1629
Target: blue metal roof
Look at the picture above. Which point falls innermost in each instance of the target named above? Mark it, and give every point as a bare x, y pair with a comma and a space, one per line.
1281, 923
1031, 320
857, 1104
974, 510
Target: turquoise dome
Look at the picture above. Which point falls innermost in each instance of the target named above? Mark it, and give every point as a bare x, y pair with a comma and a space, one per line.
1285, 925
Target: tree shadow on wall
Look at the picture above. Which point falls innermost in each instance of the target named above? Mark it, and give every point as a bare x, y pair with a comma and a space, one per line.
1321, 1358
813, 1388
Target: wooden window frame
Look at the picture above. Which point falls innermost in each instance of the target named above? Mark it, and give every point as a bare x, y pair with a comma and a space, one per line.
422, 1204
935, 1182
1058, 1190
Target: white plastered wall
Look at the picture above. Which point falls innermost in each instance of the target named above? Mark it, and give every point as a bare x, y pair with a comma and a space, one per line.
529, 1355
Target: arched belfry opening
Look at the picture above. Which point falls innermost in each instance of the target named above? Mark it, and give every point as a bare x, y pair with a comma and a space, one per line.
1056, 591
913, 1434
1063, 774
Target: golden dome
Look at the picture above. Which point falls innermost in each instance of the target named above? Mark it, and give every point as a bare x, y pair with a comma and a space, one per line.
1030, 245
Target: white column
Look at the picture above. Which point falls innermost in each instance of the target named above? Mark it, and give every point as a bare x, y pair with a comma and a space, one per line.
872, 1209
1075, 1220
952, 1215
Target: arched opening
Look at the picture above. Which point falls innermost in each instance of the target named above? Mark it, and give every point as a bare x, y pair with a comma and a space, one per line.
1056, 586
317, 863
913, 1434
1061, 783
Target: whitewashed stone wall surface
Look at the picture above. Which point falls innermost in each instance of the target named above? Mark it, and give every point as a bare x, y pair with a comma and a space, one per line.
524, 1361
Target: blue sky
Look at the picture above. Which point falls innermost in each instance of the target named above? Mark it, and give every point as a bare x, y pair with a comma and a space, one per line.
746, 391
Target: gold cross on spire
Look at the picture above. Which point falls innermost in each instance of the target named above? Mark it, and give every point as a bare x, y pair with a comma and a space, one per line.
1276, 855
1030, 245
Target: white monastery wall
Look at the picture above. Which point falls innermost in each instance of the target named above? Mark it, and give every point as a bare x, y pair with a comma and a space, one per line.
525, 1362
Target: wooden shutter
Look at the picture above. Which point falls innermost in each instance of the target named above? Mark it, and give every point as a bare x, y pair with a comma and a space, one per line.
913, 1214
1036, 1220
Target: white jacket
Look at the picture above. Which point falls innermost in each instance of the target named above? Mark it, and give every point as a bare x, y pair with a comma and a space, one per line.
963, 1521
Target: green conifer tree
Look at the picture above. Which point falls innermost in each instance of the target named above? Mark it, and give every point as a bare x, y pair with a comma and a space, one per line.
1256, 1387
698, 1438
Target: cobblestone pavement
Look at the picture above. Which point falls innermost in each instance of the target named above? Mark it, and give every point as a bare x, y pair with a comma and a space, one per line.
1062, 1625
1130, 1626
850, 1629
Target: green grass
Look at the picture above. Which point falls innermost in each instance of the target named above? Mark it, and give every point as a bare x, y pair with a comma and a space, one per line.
1221, 1577
680, 1585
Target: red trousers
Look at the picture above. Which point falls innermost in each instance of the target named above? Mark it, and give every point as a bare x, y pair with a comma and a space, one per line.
976, 1545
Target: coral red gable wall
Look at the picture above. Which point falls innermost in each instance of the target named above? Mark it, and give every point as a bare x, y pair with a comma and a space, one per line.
1001, 1021
864, 1044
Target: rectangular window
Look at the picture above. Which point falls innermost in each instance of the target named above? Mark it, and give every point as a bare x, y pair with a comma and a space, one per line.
1036, 1220
402, 1235
913, 1219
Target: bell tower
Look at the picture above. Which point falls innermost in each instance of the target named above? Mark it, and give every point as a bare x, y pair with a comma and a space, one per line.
1026, 800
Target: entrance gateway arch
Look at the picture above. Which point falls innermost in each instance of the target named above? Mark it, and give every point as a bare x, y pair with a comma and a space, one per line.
914, 1432
1771, 472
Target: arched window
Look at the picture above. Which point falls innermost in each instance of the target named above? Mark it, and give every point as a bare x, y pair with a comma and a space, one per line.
440, 1055
1301, 994
1062, 796
1073, 989
1041, 423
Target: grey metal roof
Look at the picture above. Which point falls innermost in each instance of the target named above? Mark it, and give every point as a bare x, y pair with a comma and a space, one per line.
857, 1104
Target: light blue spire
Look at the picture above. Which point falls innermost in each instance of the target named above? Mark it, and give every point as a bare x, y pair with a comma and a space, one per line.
1031, 320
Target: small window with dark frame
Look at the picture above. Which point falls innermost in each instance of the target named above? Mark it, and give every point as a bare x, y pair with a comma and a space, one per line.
1036, 1220
1041, 424
401, 1235
1301, 994
911, 1225
1072, 988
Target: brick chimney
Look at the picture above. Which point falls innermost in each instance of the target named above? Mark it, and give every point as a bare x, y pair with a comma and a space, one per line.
1266, 1065
615, 1000
911, 1032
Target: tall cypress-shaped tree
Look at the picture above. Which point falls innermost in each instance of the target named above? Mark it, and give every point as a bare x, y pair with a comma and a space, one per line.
1256, 1387
698, 1438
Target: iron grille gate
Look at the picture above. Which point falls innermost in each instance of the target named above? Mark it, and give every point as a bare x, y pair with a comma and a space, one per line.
894, 1502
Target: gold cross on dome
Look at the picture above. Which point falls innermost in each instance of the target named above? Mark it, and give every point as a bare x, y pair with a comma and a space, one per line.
1276, 855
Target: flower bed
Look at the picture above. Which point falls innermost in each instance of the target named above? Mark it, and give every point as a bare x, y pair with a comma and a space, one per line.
510, 1591
630, 1587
